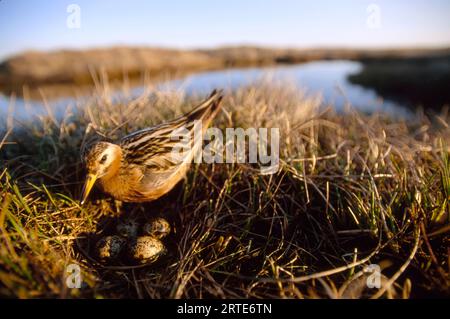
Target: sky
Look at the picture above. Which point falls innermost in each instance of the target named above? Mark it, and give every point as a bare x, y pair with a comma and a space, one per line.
50, 25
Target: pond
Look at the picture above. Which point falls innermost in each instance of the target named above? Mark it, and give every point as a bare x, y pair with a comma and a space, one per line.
328, 78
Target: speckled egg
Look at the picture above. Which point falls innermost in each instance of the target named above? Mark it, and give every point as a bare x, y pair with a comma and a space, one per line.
145, 248
110, 247
157, 227
127, 228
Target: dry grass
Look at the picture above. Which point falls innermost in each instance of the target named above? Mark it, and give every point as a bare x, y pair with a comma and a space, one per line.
352, 190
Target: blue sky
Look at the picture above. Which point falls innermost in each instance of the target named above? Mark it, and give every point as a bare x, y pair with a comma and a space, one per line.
29, 24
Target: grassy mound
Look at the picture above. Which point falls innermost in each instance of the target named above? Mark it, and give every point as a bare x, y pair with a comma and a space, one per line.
352, 190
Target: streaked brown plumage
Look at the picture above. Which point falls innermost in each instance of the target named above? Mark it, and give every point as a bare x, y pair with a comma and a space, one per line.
141, 167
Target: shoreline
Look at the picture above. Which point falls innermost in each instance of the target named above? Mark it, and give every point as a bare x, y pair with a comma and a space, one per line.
76, 68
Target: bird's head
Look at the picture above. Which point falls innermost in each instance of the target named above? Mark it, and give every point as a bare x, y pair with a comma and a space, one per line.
102, 160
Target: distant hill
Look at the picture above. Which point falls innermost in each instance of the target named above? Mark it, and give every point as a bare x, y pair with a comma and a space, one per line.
414, 81
75, 67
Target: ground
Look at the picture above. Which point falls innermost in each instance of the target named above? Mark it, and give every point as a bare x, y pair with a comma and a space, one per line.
353, 190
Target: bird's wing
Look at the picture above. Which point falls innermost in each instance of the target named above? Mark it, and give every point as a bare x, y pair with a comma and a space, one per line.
163, 147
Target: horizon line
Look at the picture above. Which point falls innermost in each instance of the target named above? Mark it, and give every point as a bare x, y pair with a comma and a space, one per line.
412, 47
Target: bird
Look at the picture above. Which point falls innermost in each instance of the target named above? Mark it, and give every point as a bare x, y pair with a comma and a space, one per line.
141, 166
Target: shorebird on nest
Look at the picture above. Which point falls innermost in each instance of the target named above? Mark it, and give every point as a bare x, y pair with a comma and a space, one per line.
141, 166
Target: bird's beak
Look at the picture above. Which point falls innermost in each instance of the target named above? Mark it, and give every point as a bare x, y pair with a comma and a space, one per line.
90, 181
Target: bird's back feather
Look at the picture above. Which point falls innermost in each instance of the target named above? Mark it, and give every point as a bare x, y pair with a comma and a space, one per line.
153, 147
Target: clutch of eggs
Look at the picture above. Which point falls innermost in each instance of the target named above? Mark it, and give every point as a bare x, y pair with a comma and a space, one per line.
141, 249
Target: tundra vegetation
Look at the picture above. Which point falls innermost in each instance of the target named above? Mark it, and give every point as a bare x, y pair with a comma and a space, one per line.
352, 190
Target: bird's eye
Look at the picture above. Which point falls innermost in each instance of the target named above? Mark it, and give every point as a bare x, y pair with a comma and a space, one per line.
103, 159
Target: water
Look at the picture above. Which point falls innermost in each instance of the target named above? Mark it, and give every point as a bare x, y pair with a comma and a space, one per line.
328, 78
